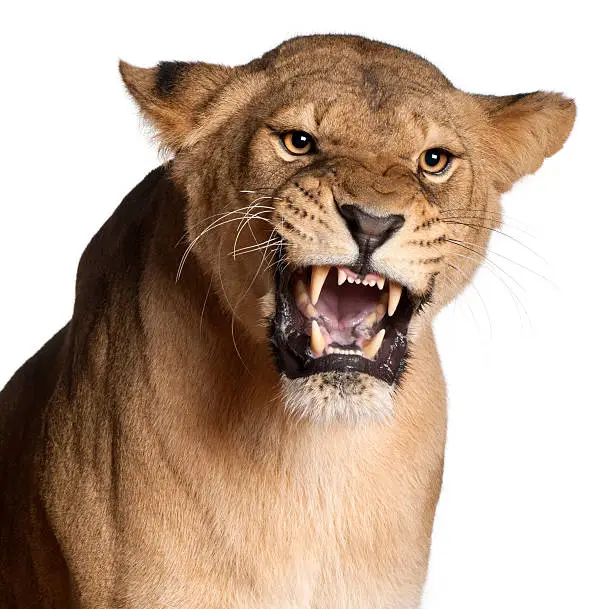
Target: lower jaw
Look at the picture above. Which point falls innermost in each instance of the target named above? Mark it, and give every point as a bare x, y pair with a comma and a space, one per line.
295, 363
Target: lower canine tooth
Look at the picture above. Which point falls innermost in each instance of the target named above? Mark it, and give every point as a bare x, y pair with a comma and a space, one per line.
370, 348
311, 311
317, 340
317, 279
395, 293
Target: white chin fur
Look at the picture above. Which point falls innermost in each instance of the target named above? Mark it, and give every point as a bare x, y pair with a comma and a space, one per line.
338, 397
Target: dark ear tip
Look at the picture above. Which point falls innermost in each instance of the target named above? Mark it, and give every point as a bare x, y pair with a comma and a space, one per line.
168, 74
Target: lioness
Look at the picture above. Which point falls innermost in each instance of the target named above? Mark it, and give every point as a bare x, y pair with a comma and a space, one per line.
246, 409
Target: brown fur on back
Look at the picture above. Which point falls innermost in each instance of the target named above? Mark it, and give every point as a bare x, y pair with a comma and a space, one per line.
150, 454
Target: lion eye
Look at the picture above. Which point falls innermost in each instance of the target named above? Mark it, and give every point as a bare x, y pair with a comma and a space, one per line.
434, 160
298, 142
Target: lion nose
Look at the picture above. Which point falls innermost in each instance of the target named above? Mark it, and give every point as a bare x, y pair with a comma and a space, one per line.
370, 232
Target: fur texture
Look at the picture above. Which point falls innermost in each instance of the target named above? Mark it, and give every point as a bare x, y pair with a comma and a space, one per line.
150, 454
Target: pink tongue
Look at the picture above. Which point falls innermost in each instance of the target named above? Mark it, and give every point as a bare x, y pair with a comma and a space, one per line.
344, 307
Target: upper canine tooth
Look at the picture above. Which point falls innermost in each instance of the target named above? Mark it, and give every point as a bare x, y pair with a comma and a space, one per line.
317, 340
341, 276
319, 275
380, 283
395, 293
371, 347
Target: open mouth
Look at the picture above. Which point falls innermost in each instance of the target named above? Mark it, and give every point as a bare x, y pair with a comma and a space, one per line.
333, 319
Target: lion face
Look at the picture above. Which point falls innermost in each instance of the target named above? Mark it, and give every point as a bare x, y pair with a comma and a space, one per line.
339, 192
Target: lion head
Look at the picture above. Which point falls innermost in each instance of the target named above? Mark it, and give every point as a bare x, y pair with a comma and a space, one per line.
339, 192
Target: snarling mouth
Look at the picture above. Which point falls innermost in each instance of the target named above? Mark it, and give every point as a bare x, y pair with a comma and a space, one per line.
333, 319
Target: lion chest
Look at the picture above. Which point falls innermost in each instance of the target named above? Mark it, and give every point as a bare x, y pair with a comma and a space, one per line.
306, 538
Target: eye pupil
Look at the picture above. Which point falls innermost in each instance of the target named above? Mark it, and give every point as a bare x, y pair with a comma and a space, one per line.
432, 157
300, 139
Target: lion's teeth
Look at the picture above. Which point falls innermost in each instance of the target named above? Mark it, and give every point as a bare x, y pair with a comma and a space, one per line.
357, 280
338, 351
371, 347
311, 311
317, 340
351, 279
380, 283
319, 275
341, 276
395, 293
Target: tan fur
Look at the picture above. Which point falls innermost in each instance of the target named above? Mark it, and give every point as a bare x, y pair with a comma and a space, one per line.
152, 456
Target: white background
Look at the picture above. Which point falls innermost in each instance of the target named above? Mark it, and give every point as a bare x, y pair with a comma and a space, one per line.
524, 518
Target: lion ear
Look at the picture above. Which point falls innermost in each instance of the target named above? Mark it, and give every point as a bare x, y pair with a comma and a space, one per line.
172, 94
522, 131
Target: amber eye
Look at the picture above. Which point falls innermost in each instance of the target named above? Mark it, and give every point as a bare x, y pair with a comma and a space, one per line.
434, 160
298, 142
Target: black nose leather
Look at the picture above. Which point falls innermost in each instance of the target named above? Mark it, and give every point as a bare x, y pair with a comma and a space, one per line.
370, 232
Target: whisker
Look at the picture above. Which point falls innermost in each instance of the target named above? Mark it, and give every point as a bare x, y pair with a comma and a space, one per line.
204, 305
517, 241
224, 214
503, 216
247, 222
241, 211
274, 262
490, 228
249, 249
484, 305
193, 243
250, 208
485, 260
244, 294
232, 309
487, 265
526, 268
